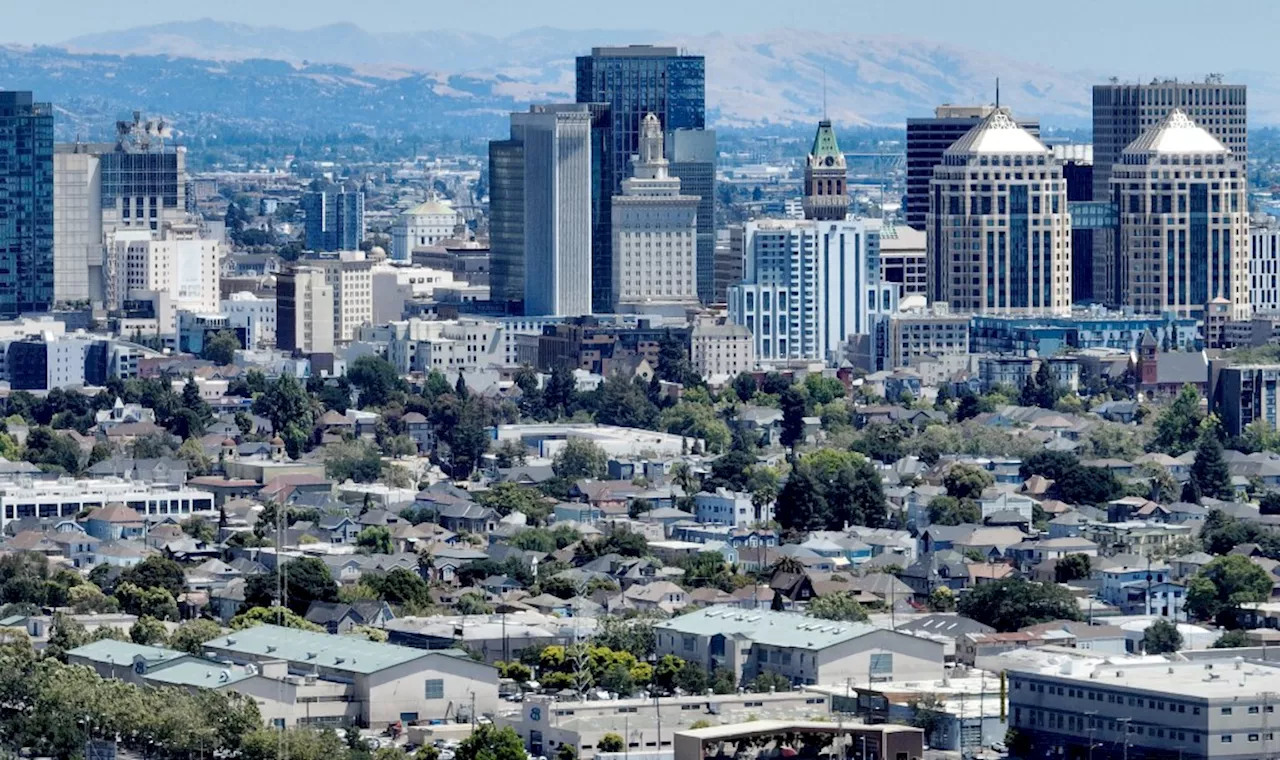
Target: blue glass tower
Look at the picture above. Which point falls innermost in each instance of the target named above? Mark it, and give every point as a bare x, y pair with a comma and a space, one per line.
26, 204
633, 81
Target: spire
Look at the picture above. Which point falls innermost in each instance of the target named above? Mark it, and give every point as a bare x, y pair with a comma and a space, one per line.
824, 93
650, 140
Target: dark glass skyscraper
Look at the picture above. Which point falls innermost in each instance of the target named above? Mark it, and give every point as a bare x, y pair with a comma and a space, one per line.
334, 219
633, 81
26, 204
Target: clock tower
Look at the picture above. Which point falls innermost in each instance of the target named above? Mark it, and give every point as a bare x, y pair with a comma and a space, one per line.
825, 195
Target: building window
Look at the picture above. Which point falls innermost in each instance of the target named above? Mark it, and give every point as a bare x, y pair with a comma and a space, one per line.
435, 688
882, 664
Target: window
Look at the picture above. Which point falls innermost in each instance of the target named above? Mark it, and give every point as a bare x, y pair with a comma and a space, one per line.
435, 688
1226, 738
881, 664
1226, 711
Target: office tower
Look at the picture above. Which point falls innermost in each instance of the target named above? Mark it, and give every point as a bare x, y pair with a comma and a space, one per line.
1264, 268
428, 223
304, 311
1077, 170
77, 223
903, 259
1184, 221
809, 286
506, 219
999, 229
143, 177
825, 195
692, 158
623, 84
26, 204
1122, 112
349, 275
730, 250
1241, 395
655, 232
927, 139
178, 264
334, 218
557, 209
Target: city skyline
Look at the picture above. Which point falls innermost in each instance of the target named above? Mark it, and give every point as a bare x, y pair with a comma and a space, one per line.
1109, 48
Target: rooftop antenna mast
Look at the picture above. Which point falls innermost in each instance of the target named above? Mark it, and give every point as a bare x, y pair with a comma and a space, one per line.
824, 93
997, 93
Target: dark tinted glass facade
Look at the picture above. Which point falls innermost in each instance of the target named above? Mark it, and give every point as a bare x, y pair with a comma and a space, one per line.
26, 204
506, 221
632, 82
334, 219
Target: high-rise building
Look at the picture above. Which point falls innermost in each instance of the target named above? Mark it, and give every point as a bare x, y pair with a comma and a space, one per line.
77, 224
178, 264
692, 158
506, 219
349, 274
334, 218
825, 195
809, 286
1184, 221
1264, 268
904, 260
26, 204
999, 229
557, 209
927, 139
655, 241
304, 311
1122, 112
1077, 171
622, 85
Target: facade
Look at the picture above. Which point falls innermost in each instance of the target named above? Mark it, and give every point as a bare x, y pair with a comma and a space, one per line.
691, 156
44, 498
655, 227
304, 306
1241, 394
1213, 708
999, 229
47, 362
26, 203
557, 209
144, 177
426, 224
334, 218
802, 649
904, 259
506, 219
77, 223
255, 314
730, 508
721, 349
809, 286
1264, 268
916, 334
1182, 243
927, 139
825, 196
1049, 334
350, 275
179, 264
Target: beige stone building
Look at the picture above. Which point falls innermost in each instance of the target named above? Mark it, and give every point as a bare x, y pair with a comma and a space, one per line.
720, 349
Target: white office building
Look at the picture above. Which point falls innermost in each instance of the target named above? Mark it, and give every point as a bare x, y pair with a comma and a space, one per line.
350, 275
26, 497
255, 314
304, 304
426, 224
655, 232
179, 264
810, 286
1264, 268
999, 233
1184, 221
77, 222
557, 208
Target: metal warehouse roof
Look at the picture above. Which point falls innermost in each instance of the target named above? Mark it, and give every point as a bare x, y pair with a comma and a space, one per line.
323, 650
781, 629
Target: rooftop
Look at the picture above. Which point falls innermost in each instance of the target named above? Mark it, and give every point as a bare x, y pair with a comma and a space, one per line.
1210, 679
1176, 133
111, 651
997, 133
782, 629
348, 653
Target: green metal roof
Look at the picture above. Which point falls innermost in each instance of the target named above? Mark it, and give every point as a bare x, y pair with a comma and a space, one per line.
112, 652
780, 629
204, 673
824, 142
350, 653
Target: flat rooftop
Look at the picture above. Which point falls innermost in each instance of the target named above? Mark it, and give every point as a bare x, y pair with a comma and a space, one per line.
323, 650
1207, 679
781, 629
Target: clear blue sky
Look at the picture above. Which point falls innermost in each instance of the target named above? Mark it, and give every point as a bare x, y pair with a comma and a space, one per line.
1130, 38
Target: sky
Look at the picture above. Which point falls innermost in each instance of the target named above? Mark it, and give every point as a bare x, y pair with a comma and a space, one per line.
1128, 38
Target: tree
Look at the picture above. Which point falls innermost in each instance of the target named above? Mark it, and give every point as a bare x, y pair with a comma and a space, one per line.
1232, 640
220, 348
580, 458
488, 742
52, 451
154, 602
942, 599
1088, 485
289, 408
157, 572
838, 606
149, 632
793, 406
1072, 567
801, 504
375, 379
357, 461
610, 742
1217, 591
744, 386
1269, 504
1011, 604
769, 681
1209, 473
400, 586
1039, 389
191, 636
928, 714
673, 361
376, 539
1178, 426
566, 751
966, 481
509, 497
1162, 637
948, 510
281, 616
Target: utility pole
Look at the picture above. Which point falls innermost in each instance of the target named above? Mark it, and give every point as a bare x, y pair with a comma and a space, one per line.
1124, 723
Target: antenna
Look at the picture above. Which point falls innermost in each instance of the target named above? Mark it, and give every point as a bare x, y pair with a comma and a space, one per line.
997, 92
824, 93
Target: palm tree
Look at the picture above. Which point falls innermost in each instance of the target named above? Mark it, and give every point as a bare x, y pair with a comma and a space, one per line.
788, 565
682, 475
426, 564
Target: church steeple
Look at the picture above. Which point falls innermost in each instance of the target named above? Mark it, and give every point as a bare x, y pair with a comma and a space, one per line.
825, 195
